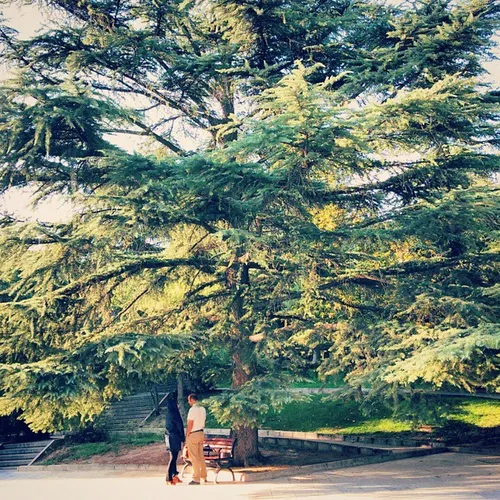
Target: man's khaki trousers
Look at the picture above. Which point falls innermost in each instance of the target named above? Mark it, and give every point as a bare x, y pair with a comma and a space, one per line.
195, 450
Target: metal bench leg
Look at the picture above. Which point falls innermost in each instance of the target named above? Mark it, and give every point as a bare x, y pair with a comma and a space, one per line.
218, 469
184, 467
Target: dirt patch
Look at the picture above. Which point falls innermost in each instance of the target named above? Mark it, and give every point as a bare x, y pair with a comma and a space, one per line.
155, 454
151, 454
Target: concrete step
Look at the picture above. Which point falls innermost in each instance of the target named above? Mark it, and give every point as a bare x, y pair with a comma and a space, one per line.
131, 402
13, 455
128, 413
122, 416
15, 463
17, 456
131, 410
130, 416
21, 452
135, 414
127, 423
23, 446
133, 399
123, 423
30, 444
126, 407
127, 418
116, 427
139, 395
124, 420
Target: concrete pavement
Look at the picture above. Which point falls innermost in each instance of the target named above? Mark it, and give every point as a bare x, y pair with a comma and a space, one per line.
450, 476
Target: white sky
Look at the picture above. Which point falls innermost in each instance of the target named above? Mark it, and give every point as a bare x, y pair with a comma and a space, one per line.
27, 20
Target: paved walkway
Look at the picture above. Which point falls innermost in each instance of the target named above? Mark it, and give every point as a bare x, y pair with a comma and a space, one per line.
449, 476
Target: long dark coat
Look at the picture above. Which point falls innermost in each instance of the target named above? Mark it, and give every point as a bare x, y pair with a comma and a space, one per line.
174, 426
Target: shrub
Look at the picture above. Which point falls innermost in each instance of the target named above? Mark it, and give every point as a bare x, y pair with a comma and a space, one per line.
91, 434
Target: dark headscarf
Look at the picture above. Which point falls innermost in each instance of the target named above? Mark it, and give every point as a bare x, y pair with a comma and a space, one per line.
174, 426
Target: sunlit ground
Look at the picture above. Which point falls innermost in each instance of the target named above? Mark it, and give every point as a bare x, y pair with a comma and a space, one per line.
445, 476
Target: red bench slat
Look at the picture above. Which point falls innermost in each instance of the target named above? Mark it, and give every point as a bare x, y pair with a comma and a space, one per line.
217, 448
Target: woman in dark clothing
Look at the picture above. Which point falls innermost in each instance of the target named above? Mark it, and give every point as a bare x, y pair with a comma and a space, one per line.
174, 436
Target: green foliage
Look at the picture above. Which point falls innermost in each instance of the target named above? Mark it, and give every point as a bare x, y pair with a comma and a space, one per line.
352, 415
249, 406
91, 434
338, 197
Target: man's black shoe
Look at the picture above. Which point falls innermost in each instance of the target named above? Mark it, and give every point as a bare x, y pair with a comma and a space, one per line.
193, 483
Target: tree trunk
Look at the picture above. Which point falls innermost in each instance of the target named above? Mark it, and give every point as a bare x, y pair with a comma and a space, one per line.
180, 397
315, 353
247, 445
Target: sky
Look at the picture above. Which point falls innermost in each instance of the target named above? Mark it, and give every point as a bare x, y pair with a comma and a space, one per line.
27, 20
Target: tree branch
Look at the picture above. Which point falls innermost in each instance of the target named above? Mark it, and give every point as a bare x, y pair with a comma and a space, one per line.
130, 268
148, 131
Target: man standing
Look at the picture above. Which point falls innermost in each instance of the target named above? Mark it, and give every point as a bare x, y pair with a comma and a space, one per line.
195, 436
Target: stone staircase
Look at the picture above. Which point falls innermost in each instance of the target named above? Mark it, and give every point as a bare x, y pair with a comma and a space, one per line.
130, 413
13, 455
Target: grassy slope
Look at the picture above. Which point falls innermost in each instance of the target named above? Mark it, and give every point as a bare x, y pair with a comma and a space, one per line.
318, 415
346, 417
482, 413
70, 452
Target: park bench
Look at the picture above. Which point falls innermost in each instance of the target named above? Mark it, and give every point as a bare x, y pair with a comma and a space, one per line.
218, 452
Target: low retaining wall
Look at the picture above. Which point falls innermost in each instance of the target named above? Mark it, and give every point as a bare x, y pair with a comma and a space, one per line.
298, 439
356, 454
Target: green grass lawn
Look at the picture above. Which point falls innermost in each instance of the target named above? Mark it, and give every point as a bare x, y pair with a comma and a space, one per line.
333, 416
479, 412
340, 416
327, 415
461, 419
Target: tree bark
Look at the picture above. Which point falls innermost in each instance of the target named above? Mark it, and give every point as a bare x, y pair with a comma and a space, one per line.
247, 444
180, 397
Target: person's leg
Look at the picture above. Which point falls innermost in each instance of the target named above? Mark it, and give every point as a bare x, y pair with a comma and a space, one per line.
172, 471
195, 449
171, 465
189, 445
175, 454
203, 465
